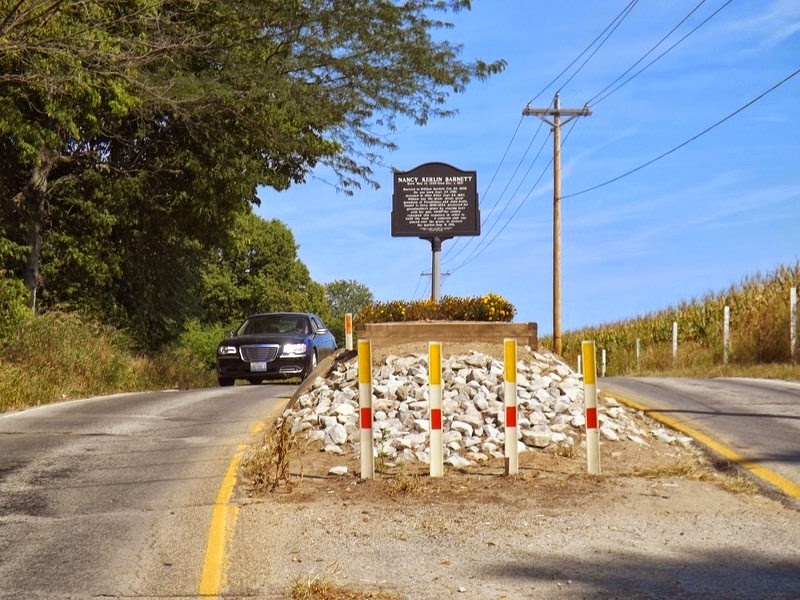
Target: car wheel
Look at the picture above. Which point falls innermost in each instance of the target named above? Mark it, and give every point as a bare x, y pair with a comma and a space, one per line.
312, 364
226, 381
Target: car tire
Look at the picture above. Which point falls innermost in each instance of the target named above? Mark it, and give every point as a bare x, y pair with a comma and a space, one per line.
312, 364
226, 381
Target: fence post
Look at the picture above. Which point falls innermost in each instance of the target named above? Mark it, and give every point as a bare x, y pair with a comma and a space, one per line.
348, 331
590, 399
365, 408
435, 399
726, 334
580, 365
603, 363
674, 342
510, 369
793, 323
638, 355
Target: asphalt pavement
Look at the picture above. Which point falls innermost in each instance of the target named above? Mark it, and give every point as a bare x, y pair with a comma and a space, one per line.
112, 497
753, 422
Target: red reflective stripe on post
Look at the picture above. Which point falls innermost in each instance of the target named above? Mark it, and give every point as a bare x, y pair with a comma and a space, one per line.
511, 416
366, 417
591, 418
436, 418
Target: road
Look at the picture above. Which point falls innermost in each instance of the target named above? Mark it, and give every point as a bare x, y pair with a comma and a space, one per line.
758, 419
113, 496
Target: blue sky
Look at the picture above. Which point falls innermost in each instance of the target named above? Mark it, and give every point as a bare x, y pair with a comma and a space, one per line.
724, 206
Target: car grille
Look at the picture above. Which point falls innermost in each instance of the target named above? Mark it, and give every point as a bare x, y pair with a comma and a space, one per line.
259, 352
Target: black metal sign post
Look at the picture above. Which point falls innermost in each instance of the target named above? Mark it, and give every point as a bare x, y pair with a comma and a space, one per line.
435, 202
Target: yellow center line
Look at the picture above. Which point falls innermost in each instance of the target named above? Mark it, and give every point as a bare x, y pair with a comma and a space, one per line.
223, 517
223, 520
779, 481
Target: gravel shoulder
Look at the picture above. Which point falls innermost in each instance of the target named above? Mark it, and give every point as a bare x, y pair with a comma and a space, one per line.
659, 522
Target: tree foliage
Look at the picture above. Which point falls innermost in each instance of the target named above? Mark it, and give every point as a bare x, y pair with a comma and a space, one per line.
347, 296
258, 270
135, 133
13, 310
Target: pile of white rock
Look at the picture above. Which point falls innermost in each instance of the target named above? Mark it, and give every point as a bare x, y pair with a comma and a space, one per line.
550, 409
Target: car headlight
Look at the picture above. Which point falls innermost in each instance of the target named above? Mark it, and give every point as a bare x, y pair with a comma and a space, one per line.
294, 350
226, 350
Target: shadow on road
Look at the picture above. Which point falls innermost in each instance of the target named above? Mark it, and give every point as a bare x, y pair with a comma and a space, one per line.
720, 573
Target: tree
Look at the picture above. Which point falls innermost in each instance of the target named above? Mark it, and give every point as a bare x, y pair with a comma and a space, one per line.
347, 296
169, 114
69, 71
258, 270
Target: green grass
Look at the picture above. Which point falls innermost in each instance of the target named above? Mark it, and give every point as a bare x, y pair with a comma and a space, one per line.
786, 372
60, 356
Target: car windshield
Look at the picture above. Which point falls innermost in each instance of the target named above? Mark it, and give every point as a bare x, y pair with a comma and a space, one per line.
274, 324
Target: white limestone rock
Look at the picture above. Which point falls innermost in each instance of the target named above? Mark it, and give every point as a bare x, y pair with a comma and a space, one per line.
662, 435
539, 437
454, 460
550, 408
336, 434
609, 433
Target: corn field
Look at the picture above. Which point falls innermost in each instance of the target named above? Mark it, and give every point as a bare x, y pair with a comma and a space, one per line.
759, 329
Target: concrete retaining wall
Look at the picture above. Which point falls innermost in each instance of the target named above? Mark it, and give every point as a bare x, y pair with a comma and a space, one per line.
447, 331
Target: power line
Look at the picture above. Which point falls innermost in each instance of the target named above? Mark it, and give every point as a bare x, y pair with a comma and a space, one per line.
503, 158
488, 187
690, 140
444, 275
510, 219
500, 197
594, 101
414, 295
624, 12
485, 235
661, 41
485, 242
478, 251
607, 32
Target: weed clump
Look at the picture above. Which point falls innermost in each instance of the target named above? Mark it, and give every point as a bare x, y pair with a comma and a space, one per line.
319, 587
266, 466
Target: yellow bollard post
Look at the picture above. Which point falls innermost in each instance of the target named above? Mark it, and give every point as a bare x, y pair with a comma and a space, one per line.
590, 399
348, 331
510, 389
435, 399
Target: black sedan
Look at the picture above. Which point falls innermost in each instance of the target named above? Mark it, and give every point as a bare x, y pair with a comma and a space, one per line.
273, 345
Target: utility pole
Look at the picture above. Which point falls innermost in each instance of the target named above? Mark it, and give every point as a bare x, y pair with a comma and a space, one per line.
435, 276
557, 112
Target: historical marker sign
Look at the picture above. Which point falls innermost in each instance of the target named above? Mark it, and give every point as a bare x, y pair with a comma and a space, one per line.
435, 200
